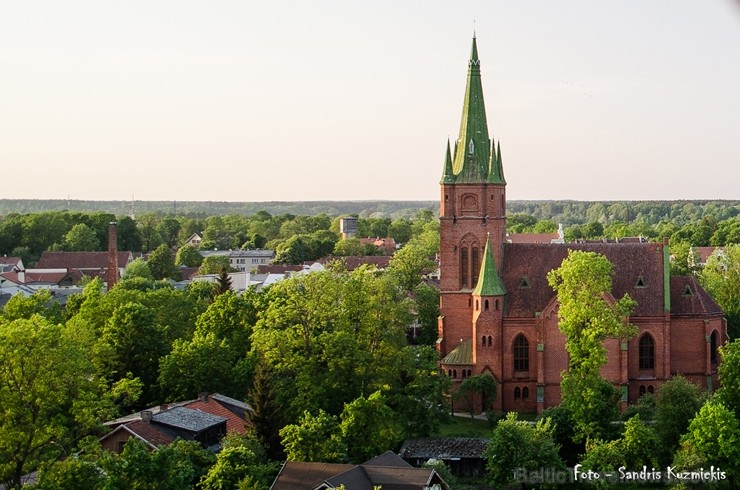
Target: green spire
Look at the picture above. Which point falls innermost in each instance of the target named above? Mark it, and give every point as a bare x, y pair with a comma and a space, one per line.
496, 167
447, 176
472, 155
489, 284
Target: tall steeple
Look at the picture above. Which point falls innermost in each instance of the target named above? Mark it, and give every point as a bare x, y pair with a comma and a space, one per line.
475, 157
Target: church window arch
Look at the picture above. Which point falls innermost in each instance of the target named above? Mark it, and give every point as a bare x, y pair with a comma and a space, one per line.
647, 352
521, 353
642, 390
483, 341
495, 305
713, 344
454, 374
486, 305
464, 267
525, 393
650, 389
490, 341
471, 146
517, 393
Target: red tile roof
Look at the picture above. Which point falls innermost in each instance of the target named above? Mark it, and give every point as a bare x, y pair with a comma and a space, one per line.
353, 262
234, 423
10, 260
631, 261
688, 298
531, 237
79, 260
149, 433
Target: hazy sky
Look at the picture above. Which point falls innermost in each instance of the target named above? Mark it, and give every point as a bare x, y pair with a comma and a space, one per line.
337, 100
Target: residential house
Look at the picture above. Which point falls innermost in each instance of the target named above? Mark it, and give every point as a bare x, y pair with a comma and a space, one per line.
387, 471
206, 420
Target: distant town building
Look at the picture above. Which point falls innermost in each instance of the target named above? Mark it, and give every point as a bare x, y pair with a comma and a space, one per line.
348, 227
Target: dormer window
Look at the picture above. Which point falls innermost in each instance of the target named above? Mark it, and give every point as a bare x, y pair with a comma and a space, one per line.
524, 282
687, 291
471, 146
640, 282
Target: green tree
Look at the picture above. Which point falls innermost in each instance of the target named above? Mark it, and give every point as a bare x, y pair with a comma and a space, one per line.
639, 446
729, 376
416, 258
50, 394
400, 230
721, 279
241, 463
129, 237
349, 247
266, 416
188, 256
169, 229
427, 309
369, 427
517, 448
138, 268
215, 359
81, 238
330, 336
132, 342
162, 263
481, 385
150, 237
223, 283
25, 307
587, 319
420, 400
713, 439
314, 438
676, 403
213, 264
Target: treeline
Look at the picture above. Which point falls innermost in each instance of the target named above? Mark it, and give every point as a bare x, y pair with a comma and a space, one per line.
566, 212
202, 209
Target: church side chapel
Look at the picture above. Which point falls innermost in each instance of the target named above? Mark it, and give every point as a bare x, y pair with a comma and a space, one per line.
498, 314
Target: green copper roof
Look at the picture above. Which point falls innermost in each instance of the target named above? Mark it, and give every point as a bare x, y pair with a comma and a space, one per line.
460, 355
475, 159
447, 176
489, 284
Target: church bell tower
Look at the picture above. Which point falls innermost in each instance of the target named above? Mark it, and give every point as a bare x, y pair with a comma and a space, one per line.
472, 220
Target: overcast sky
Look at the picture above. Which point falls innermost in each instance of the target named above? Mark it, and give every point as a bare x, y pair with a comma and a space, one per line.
348, 100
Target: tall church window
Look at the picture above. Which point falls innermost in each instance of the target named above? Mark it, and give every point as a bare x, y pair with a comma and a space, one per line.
475, 266
483, 341
521, 353
486, 305
713, 347
525, 393
517, 393
490, 341
647, 352
464, 267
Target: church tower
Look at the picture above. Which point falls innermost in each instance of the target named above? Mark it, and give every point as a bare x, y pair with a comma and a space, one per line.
472, 215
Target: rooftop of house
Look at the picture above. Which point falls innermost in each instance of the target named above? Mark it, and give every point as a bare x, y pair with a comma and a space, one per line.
352, 262
443, 448
189, 419
387, 471
233, 254
80, 260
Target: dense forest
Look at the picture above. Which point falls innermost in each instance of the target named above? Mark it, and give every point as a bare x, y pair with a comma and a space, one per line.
566, 212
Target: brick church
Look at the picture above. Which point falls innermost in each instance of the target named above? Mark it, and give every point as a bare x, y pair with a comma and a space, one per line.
498, 315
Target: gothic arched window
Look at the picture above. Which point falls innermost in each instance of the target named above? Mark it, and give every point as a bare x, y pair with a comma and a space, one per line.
713, 339
647, 352
521, 353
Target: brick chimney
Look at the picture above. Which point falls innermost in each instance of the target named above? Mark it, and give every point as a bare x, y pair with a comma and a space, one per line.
112, 273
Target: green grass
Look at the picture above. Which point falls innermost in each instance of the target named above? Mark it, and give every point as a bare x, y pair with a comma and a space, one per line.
464, 427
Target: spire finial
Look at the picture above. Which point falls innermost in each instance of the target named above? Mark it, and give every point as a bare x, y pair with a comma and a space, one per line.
473, 27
